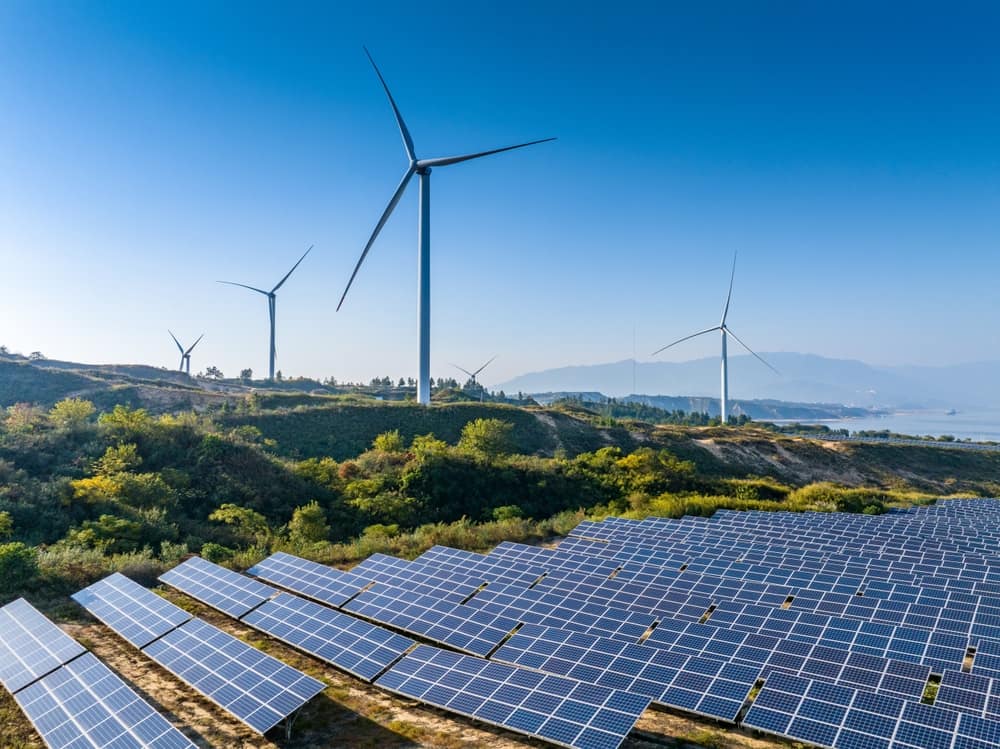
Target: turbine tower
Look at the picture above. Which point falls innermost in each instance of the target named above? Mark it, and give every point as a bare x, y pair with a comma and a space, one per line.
725, 330
422, 168
185, 354
271, 299
472, 375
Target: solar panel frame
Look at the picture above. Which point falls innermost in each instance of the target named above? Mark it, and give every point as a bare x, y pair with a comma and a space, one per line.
31, 645
547, 707
361, 649
136, 613
316, 581
256, 688
202, 580
105, 712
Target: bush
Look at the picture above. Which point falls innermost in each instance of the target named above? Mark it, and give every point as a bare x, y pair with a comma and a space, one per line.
216, 553
18, 567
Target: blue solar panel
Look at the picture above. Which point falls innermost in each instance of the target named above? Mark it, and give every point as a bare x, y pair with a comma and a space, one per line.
134, 612
317, 581
84, 704
259, 690
31, 645
222, 589
560, 710
357, 647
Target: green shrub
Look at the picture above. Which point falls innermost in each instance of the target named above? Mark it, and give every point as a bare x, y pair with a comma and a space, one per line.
18, 567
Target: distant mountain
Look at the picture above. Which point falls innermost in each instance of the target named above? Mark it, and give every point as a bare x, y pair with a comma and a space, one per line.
805, 378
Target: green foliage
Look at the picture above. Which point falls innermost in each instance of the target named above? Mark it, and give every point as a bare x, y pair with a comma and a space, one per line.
489, 438
118, 458
126, 423
389, 442
843, 499
109, 534
71, 413
23, 417
308, 524
6, 525
18, 566
507, 512
249, 524
217, 553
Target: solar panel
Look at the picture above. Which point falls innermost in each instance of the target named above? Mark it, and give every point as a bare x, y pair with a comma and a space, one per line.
560, 710
698, 684
84, 704
459, 626
134, 612
259, 690
317, 581
362, 649
206, 582
31, 645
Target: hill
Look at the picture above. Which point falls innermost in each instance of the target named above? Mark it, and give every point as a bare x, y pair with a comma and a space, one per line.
805, 378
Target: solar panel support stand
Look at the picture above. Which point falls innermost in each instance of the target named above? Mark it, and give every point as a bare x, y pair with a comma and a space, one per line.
289, 722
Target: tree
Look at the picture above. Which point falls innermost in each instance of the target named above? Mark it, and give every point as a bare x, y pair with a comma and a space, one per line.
308, 524
278, 376
18, 565
214, 372
389, 442
36, 356
4, 351
487, 437
71, 413
124, 422
249, 524
6, 525
117, 459
246, 374
22, 417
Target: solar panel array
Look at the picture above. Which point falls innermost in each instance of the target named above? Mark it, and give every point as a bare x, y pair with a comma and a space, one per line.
256, 688
259, 690
84, 704
72, 699
840, 621
590, 716
560, 710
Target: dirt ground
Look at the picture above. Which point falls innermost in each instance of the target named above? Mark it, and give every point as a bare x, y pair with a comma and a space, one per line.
349, 713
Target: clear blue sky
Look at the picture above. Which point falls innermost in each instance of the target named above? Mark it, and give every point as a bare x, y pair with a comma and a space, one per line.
849, 151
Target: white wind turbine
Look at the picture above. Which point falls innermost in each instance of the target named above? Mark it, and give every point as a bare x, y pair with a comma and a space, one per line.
185, 354
472, 375
725, 331
422, 168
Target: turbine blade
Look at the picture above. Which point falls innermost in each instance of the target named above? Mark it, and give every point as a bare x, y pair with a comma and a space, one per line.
730, 295
252, 288
464, 370
407, 140
685, 338
179, 347
378, 227
188, 352
759, 358
484, 366
445, 161
293, 269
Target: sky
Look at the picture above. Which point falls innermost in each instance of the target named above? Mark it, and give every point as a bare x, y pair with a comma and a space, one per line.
848, 152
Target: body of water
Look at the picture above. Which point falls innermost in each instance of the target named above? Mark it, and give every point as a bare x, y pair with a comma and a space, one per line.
980, 426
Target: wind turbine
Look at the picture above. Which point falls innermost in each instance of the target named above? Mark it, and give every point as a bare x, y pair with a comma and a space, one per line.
185, 354
422, 168
271, 298
472, 375
725, 331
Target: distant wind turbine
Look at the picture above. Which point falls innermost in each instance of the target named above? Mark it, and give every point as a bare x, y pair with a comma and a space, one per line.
185, 354
725, 330
472, 375
422, 168
271, 298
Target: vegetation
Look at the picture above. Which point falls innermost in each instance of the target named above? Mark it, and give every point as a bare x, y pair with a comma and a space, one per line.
83, 493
